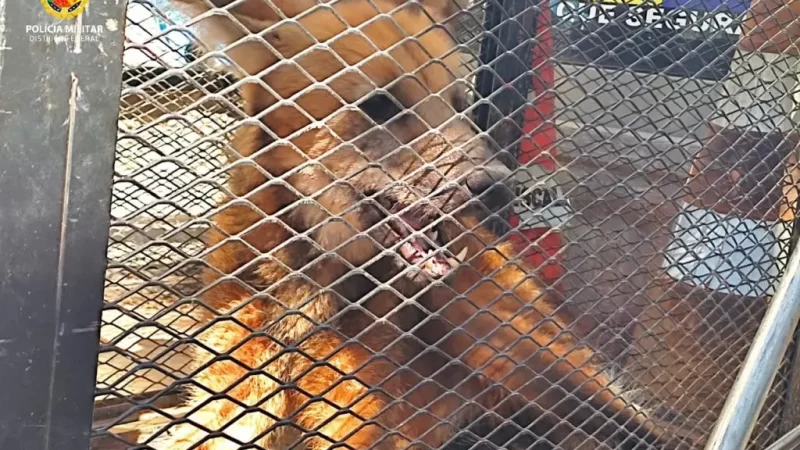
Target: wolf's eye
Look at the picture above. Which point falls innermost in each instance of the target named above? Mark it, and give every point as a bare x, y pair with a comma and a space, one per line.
380, 108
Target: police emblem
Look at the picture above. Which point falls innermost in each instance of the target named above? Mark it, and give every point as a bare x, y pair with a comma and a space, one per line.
64, 9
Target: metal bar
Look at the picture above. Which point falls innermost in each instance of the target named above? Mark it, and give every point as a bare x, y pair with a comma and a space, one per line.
60, 96
789, 441
213, 82
738, 417
505, 77
790, 416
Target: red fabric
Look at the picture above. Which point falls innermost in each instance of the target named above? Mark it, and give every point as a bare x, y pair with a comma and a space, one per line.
539, 248
538, 147
64, 4
539, 245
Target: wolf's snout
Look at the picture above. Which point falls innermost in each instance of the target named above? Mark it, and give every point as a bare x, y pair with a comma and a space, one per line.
493, 184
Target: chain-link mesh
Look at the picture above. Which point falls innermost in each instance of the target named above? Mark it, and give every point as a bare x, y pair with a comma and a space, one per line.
248, 299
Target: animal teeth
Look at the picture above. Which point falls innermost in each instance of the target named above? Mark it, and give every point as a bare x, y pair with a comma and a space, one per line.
462, 255
453, 262
433, 235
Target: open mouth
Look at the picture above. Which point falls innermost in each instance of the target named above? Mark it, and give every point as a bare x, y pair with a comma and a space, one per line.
427, 251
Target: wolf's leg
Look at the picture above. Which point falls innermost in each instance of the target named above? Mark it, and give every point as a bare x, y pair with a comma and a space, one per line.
525, 341
381, 391
235, 395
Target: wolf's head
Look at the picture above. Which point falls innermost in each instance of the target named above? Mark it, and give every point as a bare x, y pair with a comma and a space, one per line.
362, 106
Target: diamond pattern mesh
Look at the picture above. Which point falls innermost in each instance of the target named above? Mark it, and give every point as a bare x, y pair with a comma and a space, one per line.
655, 205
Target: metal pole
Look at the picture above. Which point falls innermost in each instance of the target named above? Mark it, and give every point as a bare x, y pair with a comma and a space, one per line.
59, 129
735, 424
789, 441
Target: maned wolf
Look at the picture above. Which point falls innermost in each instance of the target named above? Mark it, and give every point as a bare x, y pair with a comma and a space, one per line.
356, 294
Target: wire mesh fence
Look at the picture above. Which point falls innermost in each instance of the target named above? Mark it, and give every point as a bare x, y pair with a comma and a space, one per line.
311, 200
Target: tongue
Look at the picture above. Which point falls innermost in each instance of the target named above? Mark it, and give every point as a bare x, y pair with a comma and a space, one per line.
434, 265
411, 250
416, 248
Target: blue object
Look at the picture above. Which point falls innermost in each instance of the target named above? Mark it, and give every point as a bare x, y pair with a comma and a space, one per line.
183, 50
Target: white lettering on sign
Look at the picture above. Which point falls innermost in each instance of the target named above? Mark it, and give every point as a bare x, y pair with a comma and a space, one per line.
540, 202
648, 16
52, 28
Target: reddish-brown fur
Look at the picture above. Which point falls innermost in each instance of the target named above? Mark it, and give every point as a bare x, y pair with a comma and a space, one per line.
285, 359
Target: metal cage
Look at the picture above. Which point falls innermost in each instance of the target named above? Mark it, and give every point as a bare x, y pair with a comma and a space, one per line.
655, 168
619, 140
